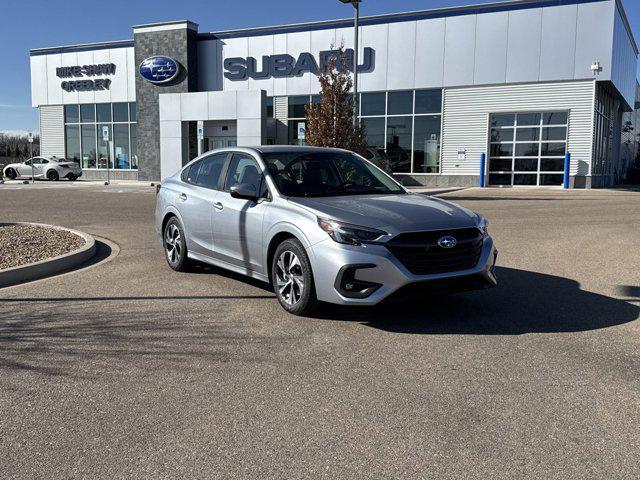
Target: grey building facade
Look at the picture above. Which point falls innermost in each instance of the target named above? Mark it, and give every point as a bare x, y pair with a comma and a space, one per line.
523, 82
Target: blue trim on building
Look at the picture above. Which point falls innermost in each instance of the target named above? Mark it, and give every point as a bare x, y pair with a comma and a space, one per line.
392, 18
81, 48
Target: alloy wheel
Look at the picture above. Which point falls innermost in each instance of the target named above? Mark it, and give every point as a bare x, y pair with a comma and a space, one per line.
289, 277
173, 243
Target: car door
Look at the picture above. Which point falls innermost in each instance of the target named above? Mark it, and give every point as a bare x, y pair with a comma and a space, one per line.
24, 169
195, 198
238, 223
37, 167
41, 167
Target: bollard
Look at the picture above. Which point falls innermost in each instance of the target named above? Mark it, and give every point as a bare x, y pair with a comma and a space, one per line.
483, 161
567, 165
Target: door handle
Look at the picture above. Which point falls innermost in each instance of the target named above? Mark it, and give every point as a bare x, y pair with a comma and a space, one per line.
183, 197
218, 206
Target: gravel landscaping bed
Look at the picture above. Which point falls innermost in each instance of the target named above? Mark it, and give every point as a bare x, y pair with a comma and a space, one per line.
23, 244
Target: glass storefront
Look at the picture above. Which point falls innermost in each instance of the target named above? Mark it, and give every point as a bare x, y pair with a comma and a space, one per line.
405, 124
83, 133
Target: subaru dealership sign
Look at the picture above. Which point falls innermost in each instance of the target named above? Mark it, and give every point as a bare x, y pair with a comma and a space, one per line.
285, 65
159, 69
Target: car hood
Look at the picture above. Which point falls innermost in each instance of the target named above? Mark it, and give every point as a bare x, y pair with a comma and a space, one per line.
392, 213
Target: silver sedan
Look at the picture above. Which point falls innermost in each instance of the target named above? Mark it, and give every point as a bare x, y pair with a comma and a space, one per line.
320, 225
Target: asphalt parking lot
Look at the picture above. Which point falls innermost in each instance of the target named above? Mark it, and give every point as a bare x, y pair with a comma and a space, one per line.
126, 369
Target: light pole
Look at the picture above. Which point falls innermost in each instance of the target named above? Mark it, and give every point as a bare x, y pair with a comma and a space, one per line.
356, 21
33, 173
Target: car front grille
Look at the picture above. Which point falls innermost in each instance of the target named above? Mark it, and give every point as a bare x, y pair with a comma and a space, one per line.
420, 253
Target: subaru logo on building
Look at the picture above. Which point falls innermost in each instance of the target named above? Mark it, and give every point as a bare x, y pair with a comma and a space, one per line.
159, 69
447, 242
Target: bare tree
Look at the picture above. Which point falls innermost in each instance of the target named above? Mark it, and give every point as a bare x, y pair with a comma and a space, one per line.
330, 123
16, 146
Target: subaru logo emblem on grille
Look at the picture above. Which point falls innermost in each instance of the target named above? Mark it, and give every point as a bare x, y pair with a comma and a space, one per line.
159, 69
447, 242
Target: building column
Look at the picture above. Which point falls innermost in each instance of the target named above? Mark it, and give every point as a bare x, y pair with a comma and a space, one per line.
177, 40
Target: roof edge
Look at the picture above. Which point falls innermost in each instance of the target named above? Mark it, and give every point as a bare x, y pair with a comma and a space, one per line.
81, 47
627, 25
159, 26
496, 6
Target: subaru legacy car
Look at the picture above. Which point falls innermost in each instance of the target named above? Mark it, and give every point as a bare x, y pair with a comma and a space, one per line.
319, 225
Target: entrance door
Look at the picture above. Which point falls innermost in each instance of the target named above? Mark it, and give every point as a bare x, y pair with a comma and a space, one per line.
213, 143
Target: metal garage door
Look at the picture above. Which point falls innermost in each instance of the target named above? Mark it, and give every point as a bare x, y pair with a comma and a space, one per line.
527, 148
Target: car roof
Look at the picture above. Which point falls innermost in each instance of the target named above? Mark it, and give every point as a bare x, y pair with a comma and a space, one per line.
294, 148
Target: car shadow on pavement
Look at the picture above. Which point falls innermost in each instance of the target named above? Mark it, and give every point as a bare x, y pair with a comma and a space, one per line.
523, 302
95, 342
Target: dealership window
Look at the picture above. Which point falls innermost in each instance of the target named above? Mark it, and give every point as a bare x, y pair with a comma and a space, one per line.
88, 139
297, 113
527, 148
297, 106
269, 105
426, 144
83, 134
72, 137
399, 143
71, 113
404, 125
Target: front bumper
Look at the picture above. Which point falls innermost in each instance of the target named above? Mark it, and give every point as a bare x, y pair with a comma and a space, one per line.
386, 277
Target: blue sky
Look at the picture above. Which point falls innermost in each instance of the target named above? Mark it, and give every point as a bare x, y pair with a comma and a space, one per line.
47, 23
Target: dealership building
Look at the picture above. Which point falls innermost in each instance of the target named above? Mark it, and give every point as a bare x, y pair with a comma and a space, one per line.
523, 82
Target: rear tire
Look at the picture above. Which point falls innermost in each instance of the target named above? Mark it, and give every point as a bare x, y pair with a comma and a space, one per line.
11, 174
292, 278
175, 246
53, 175
72, 177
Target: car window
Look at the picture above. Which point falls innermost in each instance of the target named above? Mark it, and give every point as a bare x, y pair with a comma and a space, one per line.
27, 162
325, 174
43, 161
245, 170
210, 171
190, 174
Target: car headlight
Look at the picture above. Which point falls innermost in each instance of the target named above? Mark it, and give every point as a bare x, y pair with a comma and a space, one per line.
483, 225
349, 234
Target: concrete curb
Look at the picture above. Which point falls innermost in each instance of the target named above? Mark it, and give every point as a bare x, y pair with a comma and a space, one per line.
51, 266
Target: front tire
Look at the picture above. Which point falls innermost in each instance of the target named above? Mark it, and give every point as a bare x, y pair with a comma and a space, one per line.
11, 174
72, 177
53, 175
292, 278
175, 246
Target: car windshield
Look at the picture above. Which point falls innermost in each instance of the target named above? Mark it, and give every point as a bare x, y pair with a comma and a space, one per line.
327, 174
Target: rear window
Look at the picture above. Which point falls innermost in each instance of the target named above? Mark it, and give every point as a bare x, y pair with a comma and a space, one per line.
190, 174
210, 171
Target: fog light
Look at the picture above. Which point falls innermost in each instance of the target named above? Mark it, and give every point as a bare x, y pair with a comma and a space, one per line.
348, 286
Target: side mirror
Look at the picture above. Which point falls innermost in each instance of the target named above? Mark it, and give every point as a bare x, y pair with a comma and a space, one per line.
245, 191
